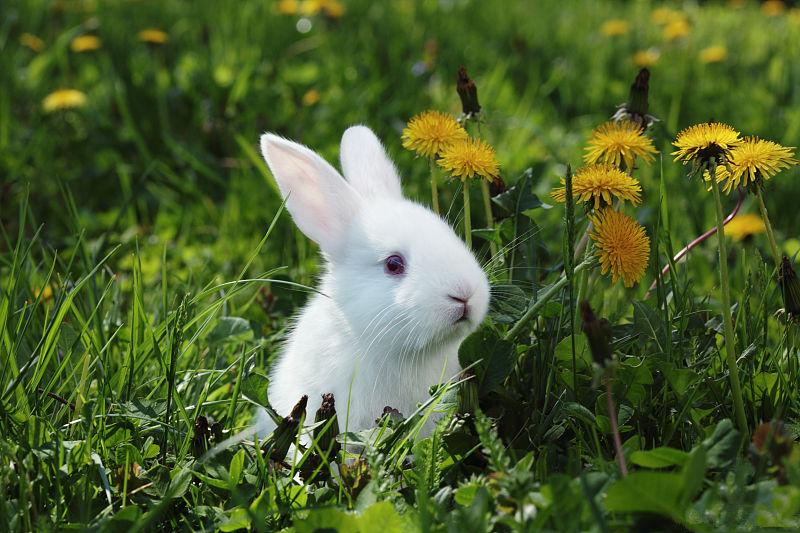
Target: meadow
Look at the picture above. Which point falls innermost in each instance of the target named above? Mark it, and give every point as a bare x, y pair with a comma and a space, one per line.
149, 270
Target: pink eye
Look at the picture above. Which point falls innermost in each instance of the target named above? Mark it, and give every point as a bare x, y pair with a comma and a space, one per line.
394, 265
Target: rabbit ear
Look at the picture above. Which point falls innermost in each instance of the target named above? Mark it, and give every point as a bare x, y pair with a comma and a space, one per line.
321, 202
366, 166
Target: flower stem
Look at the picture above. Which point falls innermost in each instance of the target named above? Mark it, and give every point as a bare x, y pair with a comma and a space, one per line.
612, 416
487, 209
544, 298
467, 217
730, 339
434, 187
770, 235
696, 242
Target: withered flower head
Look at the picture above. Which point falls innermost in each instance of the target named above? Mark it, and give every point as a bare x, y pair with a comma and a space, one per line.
325, 434
790, 288
286, 432
635, 109
468, 93
598, 333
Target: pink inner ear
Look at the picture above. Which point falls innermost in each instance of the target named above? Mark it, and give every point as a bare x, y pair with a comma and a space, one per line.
320, 201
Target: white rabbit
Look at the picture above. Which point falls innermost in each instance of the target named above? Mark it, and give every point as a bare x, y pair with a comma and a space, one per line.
399, 292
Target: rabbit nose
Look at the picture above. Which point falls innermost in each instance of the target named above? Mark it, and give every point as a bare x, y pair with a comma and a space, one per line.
465, 305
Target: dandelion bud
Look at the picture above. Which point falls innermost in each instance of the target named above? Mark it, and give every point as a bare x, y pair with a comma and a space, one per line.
598, 333
637, 100
390, 416
286, 432
790, 288
468, 393
468, 93
325, 434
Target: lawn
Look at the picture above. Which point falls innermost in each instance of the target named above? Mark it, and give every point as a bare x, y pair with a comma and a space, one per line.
149, 269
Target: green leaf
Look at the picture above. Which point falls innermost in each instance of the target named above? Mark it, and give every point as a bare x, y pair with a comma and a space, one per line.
497, 357
692, 475
255, 386
230, 329
508, 303
723, 445
647, 492
239, 519
381, 517
519, 198
327, 519
659, 457
235, 469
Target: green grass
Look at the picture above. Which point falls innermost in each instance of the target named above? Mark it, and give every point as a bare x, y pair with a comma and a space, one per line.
148, 272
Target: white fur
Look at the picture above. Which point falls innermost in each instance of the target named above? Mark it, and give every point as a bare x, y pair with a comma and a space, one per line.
370, 338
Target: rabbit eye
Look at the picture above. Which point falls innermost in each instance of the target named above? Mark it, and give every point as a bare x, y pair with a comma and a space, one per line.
394, 265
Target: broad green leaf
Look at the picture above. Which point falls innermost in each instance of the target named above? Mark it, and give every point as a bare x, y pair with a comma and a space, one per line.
235, 469
508, 303
255, 386
723, 445
647, 492
239, 519
497, 357
230, 329
659, 457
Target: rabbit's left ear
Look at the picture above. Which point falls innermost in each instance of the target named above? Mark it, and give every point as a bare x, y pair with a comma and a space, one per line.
366, 166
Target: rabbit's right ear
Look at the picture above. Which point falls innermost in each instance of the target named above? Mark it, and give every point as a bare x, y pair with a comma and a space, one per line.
366, 165
321, 202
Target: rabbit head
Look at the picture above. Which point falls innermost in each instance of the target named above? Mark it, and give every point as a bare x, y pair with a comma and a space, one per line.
398, 274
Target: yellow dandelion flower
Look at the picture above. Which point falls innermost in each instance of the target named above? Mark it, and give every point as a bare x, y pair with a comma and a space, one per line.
744, 226
702, 142
431, 131
646, 58
623, 246
618, 142
468, 158
773, 8
665, 15
288, 7
31, 41
45, 293
713, 54
601, 184
153, 36
333, 8
614, 27
63, 99
676, 29
311, 97
310, 8
756, 159
85, 43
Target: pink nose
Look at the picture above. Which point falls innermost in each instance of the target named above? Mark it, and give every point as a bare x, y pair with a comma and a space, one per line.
465, 305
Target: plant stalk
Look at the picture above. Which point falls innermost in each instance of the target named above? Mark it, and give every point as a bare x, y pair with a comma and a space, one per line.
730, 339
467, 216
434, 187
773, 246
612, 416
544, 298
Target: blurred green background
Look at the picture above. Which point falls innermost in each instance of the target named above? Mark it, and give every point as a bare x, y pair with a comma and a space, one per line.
165, 147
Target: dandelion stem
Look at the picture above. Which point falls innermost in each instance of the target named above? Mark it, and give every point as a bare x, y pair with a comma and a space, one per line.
770, 235
612, 416
434, 187
730, 339
467, 217
699, 240
545, 297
